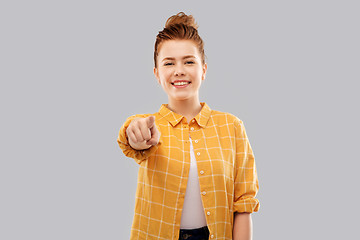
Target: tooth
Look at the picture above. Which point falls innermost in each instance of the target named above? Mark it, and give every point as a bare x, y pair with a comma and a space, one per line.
180, 83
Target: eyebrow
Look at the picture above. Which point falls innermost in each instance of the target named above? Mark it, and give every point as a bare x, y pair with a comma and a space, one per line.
171, 58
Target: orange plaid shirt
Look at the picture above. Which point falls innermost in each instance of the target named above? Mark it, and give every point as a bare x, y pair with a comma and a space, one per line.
226, 168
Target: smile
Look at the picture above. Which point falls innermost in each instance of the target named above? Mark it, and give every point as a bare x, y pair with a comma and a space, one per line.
185, 83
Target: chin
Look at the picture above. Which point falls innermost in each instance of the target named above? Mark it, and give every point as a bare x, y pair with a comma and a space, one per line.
181, 98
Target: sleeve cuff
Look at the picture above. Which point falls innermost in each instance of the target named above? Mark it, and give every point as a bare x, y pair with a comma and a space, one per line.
246, 205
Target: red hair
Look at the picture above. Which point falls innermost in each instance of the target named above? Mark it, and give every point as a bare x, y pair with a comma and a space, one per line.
179, 27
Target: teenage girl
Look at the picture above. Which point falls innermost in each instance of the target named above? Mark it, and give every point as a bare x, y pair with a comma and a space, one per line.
197, 177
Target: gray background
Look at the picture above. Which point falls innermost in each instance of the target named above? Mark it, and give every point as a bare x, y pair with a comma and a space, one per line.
73, 71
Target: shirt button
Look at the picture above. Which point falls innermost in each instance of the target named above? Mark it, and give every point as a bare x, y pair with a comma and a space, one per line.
198, 154
203, 193
201, 172
192, 129
212, 236
196, 141
208, 213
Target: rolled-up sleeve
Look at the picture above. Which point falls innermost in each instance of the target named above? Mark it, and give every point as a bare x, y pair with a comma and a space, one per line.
137, 155
246, 183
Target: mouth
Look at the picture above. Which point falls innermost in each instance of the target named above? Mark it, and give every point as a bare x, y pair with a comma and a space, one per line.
180, 83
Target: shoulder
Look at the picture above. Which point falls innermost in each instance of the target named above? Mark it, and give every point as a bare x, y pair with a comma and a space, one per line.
225, 117
228, 121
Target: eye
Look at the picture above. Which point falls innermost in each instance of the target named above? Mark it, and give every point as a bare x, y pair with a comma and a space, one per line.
191, 62
166, 64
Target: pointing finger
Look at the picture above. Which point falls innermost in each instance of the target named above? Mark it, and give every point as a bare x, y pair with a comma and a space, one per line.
150, 121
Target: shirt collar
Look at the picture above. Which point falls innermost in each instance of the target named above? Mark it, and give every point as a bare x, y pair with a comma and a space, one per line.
174, 118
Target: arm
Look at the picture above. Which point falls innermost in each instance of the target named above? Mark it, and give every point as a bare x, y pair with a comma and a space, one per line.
242, 226
245, 185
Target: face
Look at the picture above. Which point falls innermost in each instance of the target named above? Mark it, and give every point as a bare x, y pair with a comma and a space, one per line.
179, 62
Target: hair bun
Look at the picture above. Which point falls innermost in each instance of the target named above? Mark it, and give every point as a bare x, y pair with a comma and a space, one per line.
181, 18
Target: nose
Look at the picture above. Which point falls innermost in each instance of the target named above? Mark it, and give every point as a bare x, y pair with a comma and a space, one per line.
179, 70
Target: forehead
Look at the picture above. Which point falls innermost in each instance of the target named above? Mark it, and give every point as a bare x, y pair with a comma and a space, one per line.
177, 49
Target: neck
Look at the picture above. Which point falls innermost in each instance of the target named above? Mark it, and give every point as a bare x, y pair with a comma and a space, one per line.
188, 108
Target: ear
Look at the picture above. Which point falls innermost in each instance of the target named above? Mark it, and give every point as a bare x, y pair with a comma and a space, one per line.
204, 71
156, 73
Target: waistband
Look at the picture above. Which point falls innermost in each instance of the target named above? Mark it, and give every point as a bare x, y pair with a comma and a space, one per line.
195, 231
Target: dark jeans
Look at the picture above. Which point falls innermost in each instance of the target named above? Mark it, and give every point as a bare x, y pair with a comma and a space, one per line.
194, 234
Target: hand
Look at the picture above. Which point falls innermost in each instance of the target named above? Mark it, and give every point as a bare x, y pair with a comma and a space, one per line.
142, 133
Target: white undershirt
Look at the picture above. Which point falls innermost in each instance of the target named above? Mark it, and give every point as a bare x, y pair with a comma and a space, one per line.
193, 215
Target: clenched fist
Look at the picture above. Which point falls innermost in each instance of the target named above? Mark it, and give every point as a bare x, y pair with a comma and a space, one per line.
142, 133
